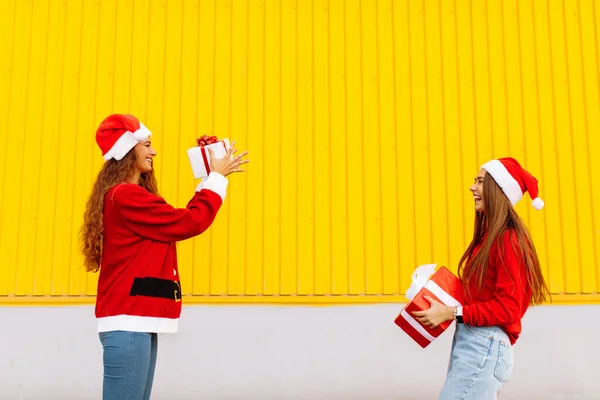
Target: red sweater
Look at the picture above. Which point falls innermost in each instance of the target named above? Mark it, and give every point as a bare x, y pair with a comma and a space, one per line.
138, 286
506, 295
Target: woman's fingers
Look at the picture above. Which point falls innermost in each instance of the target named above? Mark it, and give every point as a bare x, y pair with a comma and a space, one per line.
229, 163
237, 161
424, 320
231, 149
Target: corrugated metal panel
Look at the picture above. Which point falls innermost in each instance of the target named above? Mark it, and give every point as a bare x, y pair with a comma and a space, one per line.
366, 122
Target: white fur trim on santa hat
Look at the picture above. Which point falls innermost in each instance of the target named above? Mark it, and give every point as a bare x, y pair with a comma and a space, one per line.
126, 142
504, 179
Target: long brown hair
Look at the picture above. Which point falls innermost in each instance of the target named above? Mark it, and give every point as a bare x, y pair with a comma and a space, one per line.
91, 234
499, 217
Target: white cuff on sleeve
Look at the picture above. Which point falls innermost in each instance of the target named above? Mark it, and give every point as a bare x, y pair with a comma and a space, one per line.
215, 182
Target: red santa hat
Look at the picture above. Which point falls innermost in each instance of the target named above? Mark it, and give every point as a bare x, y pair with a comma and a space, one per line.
118, 134
514, 180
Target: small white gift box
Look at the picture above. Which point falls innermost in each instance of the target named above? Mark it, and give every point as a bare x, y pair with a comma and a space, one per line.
200, 157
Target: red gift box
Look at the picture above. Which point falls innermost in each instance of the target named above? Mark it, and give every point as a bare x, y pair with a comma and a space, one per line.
200, 157
443, 286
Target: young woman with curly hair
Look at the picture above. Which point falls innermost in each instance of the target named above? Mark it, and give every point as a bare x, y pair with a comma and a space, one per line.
129, 234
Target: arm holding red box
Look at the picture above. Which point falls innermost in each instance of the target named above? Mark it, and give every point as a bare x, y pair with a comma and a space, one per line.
433, 294
436, 315
508, 289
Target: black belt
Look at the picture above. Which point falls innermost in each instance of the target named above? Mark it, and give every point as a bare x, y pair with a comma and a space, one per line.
155, 287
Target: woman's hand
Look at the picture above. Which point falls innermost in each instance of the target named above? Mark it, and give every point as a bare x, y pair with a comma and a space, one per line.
434, 316
228, 164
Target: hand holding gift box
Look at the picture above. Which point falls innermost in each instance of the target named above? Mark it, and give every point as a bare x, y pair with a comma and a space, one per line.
200, 156
441, 285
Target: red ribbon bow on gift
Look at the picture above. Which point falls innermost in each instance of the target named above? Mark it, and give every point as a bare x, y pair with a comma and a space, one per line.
205, 140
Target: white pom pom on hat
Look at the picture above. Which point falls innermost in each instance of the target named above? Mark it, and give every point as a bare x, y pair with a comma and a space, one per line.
538, 203
514, 180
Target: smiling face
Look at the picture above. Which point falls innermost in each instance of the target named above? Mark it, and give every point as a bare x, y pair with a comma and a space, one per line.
144, 155
477, 190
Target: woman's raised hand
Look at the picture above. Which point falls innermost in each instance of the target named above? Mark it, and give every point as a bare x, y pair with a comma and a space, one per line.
229, 163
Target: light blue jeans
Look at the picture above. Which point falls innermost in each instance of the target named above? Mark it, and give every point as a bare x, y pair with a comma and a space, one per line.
129, 363
481, 361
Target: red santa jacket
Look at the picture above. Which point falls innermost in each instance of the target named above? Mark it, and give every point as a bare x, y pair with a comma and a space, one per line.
138, 286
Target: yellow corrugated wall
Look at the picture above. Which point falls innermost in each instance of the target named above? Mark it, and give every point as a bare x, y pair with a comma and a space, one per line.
366, 122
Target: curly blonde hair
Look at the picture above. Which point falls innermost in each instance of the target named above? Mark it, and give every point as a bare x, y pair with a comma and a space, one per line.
91, 234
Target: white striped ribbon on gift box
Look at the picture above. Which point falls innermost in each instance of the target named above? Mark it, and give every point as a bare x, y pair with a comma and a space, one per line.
444, 297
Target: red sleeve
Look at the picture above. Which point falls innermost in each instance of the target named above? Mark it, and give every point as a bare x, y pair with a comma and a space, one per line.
509, 292
150, 216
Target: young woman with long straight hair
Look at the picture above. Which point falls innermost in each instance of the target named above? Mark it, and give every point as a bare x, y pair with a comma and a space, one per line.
501, 277
129, 234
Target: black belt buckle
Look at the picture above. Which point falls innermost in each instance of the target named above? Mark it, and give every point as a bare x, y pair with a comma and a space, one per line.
177, 291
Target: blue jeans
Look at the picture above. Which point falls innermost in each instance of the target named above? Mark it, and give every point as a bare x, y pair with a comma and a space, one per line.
481, 361
129, 363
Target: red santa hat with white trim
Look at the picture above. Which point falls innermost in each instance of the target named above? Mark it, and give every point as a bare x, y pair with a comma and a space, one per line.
514, 180
118, 134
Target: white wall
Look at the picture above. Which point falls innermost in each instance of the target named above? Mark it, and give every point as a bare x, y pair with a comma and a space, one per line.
287, 352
